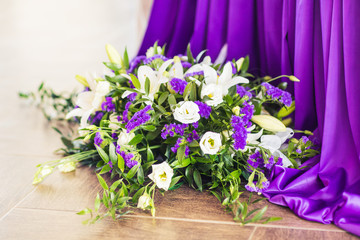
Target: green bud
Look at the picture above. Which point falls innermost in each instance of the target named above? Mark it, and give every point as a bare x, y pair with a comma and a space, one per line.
294, 79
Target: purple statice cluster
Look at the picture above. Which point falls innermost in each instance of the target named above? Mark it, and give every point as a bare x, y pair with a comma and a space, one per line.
200, 73
114, 136
242, 91
139, 118
247, 111
108, 105
135, 62
95, 120
172, 129
265, 185
304, 139
128, 157
126, 112
277, 94
97, 139
132, 96
157, 56
240, 132
186, 64
205, 110
256, 160
177, 145
178, 85
193, 136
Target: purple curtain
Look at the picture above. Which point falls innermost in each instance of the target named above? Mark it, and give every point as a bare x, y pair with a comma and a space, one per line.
317, 41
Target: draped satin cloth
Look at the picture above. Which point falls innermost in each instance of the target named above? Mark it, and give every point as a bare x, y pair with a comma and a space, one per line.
317, 41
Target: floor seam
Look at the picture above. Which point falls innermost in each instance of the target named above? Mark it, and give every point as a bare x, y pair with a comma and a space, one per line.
200, 221
17, 204
252, 233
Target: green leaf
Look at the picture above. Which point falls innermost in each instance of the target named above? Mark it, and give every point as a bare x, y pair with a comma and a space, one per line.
181, 153
135, 81
187, 91
189, 174
147, 165
174, 180
194, 143
172, 100
113, 66
216, 195
121, 163
102, 182
97, 203
140, 175
132, 171
286, 111
244, 210
163, 97
272, 219
147, 86
126, 59
150, 155
105, 169
102, 154
197, 179
85, 211
189, 55
138, 194
137, 139
150, 128
67, 142
245, 65
259, 215
115, 185
193, 92
112, 152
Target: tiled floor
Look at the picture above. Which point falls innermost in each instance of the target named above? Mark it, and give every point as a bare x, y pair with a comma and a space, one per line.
53, 41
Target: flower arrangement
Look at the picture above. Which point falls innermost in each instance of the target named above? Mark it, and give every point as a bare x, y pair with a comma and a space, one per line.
157, 123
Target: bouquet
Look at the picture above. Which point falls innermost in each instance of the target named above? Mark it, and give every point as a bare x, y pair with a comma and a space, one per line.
155, 123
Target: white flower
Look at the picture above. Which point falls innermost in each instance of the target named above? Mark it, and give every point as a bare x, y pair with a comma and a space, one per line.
220, 83
90, 101
144, 201
236, 110
151, 51
188, 112
210, 143
67, 166
156, 78
114, 119
161, 175
274, 142
124, 137
252, 138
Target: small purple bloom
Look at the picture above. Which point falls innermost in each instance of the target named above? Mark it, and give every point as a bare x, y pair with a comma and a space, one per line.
114, 136
135, 62
234, 71
178, 85
128, 158
205, 110
177, 145
187, 151
186, 64
194, 74
171, 129
108, 105
277, 94
132, 96
240, 132
139, 118
242, 92
270, 163
126, 112
97, 118
98, 140
256, 160
158, 56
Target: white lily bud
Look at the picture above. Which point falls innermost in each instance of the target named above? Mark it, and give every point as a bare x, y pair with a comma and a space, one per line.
294, 79
113, 55
236, 110
269, 123
67, 166
82, 80
144, 201
239, 63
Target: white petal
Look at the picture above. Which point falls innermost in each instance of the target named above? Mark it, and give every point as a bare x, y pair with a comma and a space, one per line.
195, 68
288, 133
74, 113
251, 137
178, 70
286, 162
126, 76
207, 60
126, 93
85, 99
210, 75
270, 141
85, 117
146, 72
226, 74
165, 65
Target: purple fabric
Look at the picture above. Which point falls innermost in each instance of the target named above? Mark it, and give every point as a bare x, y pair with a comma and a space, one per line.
317, 41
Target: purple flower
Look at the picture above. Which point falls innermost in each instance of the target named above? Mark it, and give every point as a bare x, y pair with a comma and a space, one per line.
305, 139
187, 151
114, 136
195, 125
128, 158
205, 110
97, 118
126, 112
171, 129
108, 105
265, 184
111, 165
177, 145
270, 163
135, 62
186, 64
98, 140
158, 56
242, 92
298, 151
277, 94
178, 85
256, 160
240, 132
248, 110
193, 136
194, 74
139, 118
279, 162
132, 96
234, 71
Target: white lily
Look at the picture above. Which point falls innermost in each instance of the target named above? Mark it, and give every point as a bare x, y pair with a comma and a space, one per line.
156, 79
89, 102
216, 87
273, 144
252, 138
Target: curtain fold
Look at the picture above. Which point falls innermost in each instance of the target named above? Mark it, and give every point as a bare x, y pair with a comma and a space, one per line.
317, 41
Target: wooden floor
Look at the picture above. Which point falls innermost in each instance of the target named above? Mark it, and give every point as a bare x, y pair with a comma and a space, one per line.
42, 40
